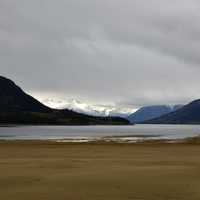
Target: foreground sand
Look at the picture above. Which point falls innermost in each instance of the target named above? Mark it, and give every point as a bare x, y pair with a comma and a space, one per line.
47, 170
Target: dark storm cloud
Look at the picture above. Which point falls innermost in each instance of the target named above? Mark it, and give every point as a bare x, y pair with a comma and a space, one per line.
130, 52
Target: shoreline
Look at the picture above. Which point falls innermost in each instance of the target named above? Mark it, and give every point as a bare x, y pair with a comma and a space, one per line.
108, 140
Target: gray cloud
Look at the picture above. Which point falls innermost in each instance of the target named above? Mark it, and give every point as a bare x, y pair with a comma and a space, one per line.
130, 52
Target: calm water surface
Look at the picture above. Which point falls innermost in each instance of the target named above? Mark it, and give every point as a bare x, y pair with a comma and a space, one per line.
98, 132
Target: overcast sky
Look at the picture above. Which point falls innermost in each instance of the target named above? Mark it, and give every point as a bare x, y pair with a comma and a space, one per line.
127, 52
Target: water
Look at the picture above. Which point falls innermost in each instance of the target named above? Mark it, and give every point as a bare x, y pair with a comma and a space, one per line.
85, 133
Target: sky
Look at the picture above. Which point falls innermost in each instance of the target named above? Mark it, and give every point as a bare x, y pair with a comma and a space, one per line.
127, 53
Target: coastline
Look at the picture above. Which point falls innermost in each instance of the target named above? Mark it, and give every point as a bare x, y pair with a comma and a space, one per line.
136, 139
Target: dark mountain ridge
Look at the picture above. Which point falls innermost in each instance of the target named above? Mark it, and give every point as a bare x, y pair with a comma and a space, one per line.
151, 112
188, 114
17, 107
14, 99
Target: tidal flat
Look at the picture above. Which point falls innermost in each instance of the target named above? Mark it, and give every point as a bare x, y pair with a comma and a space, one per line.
99, 171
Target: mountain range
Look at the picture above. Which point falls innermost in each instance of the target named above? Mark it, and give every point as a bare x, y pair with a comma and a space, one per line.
151, 112
17, 107
188, 114
88, 108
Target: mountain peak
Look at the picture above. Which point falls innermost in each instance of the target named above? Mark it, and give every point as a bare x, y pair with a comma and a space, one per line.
150, 112
188, 114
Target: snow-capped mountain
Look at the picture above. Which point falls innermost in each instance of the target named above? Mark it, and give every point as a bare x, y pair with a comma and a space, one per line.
91, 109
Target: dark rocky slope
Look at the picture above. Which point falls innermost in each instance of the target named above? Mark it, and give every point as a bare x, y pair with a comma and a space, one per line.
17, 107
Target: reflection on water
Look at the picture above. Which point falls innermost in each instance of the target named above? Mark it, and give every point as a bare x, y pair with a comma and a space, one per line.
85, 133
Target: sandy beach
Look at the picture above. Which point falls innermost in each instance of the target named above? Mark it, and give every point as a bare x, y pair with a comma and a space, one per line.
48, 170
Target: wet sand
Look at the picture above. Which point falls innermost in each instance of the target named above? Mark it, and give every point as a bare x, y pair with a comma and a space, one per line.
42, 170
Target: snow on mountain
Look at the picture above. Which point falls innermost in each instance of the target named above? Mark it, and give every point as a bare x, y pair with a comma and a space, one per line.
91, 109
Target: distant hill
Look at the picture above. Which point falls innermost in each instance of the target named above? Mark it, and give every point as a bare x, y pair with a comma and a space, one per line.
151, 112
17, 107
189, 114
